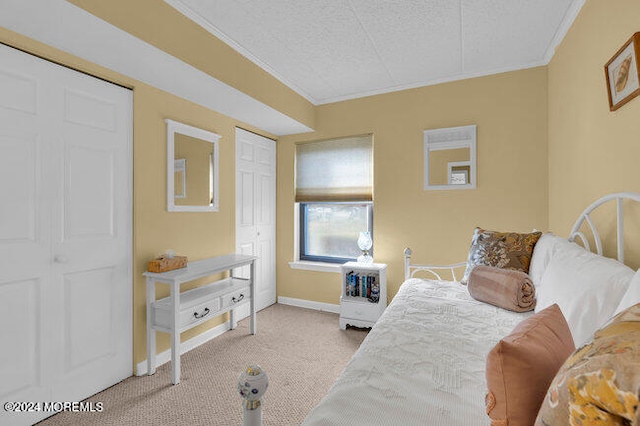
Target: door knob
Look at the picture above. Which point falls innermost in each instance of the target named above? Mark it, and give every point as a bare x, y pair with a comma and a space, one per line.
60, 258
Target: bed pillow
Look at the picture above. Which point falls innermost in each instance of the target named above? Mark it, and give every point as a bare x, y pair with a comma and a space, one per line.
506, 250
522, 365
586, 286
511, 290
598, 384
631, 296
544, 249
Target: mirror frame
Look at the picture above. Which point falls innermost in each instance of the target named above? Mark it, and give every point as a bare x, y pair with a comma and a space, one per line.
174, 127
451, 138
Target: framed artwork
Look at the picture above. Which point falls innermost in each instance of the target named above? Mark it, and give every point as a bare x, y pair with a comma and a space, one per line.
623, 75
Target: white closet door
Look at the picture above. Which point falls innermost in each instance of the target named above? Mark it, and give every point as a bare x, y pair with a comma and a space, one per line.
65, 233
256, 209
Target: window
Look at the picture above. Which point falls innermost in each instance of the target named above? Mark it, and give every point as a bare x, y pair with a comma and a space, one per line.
329, 231
334, 189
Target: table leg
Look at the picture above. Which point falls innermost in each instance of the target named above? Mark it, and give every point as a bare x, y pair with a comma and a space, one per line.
232, 319
151, 333
252, 303
175, 334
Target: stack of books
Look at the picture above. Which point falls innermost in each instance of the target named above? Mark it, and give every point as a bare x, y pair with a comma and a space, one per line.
362, 285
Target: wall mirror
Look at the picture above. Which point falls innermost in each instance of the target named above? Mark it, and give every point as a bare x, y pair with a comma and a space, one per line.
450, 158
192, 168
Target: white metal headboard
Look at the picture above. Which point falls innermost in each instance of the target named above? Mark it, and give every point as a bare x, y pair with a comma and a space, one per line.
619, 197
410, 270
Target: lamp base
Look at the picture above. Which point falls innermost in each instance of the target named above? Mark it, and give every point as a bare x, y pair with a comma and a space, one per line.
365, 259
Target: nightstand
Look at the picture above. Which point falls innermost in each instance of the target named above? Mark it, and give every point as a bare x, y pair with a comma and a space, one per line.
364, 294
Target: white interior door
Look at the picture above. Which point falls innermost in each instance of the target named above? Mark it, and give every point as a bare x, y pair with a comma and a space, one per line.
65, 233
256, 210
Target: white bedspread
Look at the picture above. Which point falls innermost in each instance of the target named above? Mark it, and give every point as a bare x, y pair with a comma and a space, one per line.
422, 364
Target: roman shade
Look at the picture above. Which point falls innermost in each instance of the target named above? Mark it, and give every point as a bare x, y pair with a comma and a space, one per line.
335, 170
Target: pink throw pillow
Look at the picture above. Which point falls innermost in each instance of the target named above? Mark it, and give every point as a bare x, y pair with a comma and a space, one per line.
521, 366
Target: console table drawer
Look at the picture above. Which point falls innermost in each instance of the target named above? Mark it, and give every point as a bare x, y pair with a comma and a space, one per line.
202, 311
236, 298
201, 303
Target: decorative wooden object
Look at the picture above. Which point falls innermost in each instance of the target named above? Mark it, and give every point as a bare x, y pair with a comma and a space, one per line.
164, 264
623, 73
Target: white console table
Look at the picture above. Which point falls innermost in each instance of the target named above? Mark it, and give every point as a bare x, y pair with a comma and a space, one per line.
182, 311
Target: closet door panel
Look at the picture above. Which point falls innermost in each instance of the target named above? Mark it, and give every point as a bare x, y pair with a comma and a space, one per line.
25, 236
89, 329
90, 111
92, 235
65, 233
266, 234
89, 198
245, 211
19, 187
20, 367
19, 91
24, 366
256, 209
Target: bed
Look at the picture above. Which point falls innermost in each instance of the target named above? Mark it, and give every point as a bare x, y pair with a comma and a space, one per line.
423, 363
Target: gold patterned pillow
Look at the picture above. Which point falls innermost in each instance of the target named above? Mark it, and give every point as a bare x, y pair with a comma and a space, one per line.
599, 382
506, 250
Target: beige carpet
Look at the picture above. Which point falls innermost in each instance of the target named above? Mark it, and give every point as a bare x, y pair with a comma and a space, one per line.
302, 351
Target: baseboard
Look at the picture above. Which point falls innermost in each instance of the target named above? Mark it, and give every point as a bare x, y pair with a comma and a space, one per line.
310, 304
194, 342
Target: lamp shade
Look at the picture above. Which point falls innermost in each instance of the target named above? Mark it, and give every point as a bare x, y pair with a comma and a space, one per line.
364, 241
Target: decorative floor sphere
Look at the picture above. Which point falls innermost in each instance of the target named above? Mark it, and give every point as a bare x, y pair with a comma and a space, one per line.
253, 383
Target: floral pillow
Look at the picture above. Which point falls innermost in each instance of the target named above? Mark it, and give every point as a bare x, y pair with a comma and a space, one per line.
506, 250
599, 382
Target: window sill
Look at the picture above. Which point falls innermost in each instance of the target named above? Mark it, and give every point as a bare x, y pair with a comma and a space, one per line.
315, 266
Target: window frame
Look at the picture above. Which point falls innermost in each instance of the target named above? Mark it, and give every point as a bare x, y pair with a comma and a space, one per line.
302, 234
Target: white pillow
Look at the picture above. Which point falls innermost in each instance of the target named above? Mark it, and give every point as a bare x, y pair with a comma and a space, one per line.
631, 296
587, 287
542, 252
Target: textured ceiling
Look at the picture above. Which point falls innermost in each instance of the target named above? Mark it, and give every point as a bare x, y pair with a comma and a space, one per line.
331, 50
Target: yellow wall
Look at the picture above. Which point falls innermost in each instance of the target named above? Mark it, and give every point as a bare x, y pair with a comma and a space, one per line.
592, 151
511, 113
197, 235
